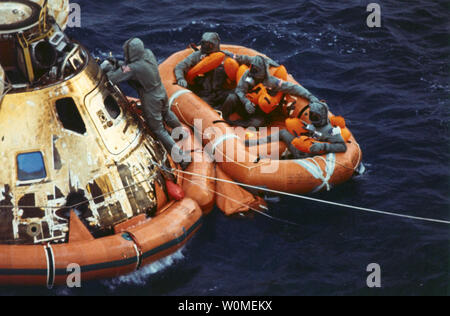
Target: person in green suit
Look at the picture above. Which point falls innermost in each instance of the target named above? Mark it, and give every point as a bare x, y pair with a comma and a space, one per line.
258, 73
140, 70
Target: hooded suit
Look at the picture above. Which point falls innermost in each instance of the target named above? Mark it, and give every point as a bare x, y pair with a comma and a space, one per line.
324, 132
210, 87
329, 134
141, 72
258, 73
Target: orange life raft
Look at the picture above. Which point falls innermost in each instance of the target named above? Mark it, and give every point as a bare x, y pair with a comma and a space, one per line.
136, 243
259, 165
198, 179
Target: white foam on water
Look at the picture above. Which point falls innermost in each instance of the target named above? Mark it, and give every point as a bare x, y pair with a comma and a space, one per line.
140, 277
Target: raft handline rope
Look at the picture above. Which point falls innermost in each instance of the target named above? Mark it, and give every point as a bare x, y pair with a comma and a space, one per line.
313, 199
255, 166
172, 102
313, 167
243, 204
218, 149
81, 203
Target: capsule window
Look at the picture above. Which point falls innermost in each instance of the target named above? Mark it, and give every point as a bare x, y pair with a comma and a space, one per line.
69, 115
30, 166
112, 107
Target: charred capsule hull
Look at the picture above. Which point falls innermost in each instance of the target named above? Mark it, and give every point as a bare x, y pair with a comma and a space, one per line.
78, 183
72, 143
96, 157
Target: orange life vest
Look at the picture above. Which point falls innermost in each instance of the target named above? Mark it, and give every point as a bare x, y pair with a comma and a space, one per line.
295, 126
231, 68
260, 96
304, 143
211, 62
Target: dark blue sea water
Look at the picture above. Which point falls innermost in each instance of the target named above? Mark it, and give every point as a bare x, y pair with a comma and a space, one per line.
390, 83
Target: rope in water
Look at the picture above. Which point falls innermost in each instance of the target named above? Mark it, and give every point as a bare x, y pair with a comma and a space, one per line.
311, 198
240, 203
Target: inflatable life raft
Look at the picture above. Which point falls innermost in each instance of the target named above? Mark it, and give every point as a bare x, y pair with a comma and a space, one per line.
262, 165
198, 180
136, 243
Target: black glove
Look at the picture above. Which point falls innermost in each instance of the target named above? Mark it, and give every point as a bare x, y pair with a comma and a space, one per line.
113, 61
250, 107
319, 147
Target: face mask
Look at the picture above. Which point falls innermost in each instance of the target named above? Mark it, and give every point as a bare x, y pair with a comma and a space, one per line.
207, 47
253, 71
256, 73
314, 117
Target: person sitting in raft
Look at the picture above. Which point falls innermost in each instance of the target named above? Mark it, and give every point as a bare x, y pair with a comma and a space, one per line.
258, 73
210, 86
321, 137
140, 69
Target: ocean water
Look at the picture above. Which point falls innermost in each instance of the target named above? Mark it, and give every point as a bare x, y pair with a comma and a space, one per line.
392, 86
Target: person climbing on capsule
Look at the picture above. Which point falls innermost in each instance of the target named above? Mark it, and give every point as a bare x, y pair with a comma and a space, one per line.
251, 99
321, 137
203, 71
140, 70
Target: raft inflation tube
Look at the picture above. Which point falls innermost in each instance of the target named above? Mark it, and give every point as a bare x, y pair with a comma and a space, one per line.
259, 165
199, 187
135, 244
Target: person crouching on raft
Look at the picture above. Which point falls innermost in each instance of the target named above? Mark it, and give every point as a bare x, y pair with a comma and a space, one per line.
258, 73
211, 86
303, 140
211, 83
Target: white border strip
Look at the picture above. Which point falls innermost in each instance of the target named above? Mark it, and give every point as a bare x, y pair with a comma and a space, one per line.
49, 247
176, 95
222, 139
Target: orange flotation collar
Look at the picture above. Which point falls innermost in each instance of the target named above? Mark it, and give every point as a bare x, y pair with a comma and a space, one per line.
339, 121
211, 62
206, 65
304, 144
